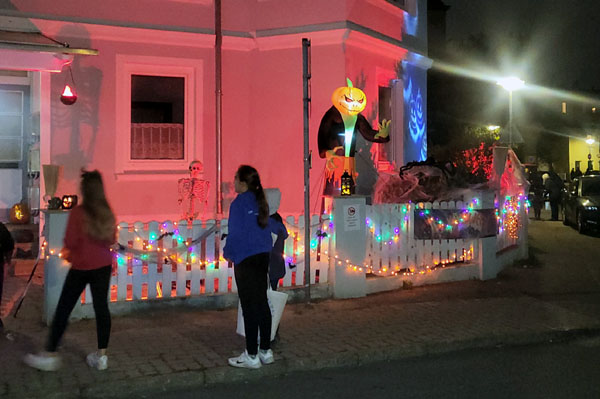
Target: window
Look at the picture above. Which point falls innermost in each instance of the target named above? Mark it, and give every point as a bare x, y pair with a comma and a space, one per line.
157, 117
11, 125
385, 112
157, 128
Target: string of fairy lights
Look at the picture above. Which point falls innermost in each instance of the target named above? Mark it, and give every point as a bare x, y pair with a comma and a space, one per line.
152, 249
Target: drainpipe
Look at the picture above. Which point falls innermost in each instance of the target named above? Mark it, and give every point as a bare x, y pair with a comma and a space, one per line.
218, 106
307, 161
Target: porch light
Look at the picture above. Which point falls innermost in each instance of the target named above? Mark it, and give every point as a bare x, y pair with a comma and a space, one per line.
69, 96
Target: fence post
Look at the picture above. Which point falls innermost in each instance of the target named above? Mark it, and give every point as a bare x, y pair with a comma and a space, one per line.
55, 268
349, 246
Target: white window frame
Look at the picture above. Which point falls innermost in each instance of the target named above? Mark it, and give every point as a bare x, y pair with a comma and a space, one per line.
20, 137
191, 71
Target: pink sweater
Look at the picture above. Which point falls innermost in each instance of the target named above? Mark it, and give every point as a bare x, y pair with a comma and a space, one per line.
85, 252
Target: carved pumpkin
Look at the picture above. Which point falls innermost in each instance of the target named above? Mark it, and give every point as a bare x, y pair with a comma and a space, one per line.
19, 214
349, 100
69, 201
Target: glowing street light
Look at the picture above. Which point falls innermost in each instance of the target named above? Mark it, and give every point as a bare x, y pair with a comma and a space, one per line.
510, 84
590, 140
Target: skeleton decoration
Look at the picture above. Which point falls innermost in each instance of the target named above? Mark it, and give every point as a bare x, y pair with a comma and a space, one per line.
191, 190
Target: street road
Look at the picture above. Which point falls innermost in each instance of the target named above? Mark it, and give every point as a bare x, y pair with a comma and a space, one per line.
554, 370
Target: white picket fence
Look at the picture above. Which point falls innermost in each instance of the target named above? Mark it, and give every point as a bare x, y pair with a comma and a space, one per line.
163, 260
392, 247
160, 260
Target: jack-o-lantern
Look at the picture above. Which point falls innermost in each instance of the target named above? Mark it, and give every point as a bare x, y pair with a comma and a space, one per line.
69, 201
349, 100
19, 214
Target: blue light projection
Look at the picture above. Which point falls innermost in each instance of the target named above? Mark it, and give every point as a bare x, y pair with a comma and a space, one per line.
411, 23
415, 142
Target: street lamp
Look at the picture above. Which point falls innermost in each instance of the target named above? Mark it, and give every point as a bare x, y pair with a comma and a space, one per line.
510, 84
590, 142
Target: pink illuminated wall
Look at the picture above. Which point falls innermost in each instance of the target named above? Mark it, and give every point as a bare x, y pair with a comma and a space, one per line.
262, 84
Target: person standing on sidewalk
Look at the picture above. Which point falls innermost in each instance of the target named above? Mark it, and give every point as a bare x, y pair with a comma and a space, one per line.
554, 187
7, 246
248, 246
90, 232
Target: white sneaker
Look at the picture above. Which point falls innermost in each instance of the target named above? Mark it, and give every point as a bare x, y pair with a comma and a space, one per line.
97, 362
266, 356
43, 361
245, 360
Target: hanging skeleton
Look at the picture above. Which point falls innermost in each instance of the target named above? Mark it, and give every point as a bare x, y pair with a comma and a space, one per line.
192, 190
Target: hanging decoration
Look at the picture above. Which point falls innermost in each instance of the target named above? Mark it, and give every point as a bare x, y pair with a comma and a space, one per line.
193, 190
69, 95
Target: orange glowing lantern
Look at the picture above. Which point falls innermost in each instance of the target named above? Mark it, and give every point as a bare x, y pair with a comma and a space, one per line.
19, 214
69, 201
347, 185
68, 96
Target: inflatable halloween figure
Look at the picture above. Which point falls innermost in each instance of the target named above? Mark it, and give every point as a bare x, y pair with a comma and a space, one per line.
337, 134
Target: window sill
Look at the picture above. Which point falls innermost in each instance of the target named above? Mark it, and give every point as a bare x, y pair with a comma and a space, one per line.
147, 175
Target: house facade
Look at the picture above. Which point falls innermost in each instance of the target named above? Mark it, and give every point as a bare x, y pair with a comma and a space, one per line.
144, 73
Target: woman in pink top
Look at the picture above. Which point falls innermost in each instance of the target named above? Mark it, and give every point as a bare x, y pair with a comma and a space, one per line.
89, 235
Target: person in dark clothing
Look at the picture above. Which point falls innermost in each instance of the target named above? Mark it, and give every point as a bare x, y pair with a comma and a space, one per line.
7, 246
537, 191
248, 246
554, 187
279, 233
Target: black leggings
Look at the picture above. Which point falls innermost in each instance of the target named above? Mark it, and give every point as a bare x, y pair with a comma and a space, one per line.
251, 279
99, 281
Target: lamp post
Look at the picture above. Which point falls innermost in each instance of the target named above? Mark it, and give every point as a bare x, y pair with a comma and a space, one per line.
590, 142
510, 84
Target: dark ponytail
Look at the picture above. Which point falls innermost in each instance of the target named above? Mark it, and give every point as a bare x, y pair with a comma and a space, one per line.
249, 175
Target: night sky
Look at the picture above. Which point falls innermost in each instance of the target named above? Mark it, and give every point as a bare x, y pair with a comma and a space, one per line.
562, 37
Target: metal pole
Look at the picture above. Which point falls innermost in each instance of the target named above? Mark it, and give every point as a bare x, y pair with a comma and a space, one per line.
306, 100
218, 105
510, 118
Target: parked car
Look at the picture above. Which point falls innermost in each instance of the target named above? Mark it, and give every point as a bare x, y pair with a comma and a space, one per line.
582, 203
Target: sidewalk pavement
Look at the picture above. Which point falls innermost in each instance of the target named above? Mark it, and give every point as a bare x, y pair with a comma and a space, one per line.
188, 348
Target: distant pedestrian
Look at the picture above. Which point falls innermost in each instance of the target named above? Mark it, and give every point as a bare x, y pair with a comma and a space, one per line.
7, 246
537, 190
249, 246
90, 233
554, 186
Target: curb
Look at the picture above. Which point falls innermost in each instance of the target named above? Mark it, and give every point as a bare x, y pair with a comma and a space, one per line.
226, 374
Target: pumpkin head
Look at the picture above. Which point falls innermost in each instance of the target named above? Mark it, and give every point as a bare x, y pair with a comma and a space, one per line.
19, 214
349, 100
